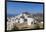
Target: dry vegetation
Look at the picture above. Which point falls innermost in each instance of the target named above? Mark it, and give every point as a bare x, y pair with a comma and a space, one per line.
24, 26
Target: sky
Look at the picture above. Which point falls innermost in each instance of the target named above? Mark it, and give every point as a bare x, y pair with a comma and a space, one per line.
14, 8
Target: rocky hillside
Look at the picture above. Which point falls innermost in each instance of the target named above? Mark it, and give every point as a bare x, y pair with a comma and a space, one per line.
25, 21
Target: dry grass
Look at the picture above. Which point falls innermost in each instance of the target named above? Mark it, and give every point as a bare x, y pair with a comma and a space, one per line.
23, 26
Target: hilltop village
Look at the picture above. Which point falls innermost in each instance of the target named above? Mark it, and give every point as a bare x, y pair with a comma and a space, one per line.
25, 21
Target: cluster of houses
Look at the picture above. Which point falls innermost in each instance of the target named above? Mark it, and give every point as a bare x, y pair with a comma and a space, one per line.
22, 18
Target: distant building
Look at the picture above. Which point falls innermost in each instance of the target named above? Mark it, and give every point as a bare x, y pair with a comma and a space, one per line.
22, 18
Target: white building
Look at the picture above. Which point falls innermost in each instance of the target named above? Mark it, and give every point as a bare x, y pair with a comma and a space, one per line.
18, 19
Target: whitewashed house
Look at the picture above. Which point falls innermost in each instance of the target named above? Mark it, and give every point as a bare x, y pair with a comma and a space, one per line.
19, 19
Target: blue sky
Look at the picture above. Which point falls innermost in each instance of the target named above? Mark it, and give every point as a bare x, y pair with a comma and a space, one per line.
18, 8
